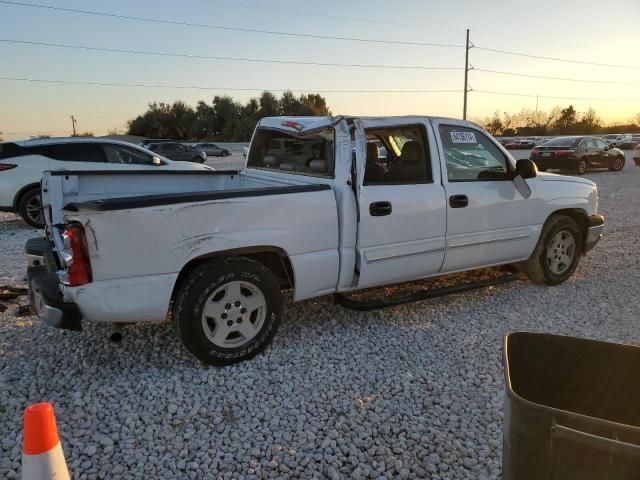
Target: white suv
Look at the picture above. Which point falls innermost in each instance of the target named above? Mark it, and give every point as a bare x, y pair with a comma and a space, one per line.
22, 164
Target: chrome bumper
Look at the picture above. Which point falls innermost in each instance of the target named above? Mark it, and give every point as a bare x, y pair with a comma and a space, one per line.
594, 232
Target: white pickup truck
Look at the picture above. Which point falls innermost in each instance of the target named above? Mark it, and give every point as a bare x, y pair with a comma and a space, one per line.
315, 210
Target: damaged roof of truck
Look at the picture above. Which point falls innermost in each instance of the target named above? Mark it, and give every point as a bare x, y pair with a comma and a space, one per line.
306, 125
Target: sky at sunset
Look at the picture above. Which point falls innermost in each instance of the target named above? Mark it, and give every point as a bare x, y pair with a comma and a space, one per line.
583, 31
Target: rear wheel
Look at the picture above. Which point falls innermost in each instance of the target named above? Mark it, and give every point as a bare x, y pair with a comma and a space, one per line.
581, 167
228, 310
224, 153
197, 160
30, 208
617, 164
558, 251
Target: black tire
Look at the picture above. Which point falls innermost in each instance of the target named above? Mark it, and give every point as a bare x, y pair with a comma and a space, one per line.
617, 164
30, 208
194, 330
224, 153
197, 160
538, 268
581, 166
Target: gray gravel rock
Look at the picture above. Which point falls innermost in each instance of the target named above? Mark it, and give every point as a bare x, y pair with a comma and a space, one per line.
414, 391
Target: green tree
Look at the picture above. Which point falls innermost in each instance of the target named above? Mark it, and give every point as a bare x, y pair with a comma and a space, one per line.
269, 105
567, 119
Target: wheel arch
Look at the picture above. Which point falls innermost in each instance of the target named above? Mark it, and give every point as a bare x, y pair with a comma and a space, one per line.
273, 258
22, 192
579, 215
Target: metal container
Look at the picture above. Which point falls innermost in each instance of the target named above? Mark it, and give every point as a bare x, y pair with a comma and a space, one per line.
572, 409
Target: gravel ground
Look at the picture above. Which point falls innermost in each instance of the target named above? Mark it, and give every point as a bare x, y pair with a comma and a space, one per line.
409, 392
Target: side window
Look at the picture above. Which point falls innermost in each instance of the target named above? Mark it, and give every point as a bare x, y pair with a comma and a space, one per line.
600, 143
471, 156
122, 155
81, 152
397, 155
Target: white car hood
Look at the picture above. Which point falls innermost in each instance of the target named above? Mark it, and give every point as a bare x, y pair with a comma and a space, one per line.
553, 177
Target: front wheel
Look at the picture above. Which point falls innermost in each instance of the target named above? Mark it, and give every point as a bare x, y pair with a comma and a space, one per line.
617, 165
30, 208
228, 310
224, 153
581, 167
557, 253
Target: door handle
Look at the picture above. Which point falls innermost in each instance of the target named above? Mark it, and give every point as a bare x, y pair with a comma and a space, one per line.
380, 209
458, 201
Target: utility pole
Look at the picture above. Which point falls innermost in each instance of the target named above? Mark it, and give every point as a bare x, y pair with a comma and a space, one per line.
466, 76
73, 123
535, 119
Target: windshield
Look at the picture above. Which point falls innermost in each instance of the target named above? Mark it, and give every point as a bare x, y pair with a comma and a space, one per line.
561, 142
310, 154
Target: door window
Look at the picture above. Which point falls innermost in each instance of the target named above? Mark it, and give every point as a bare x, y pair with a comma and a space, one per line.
397, 155
80, 152
600, 143
472, 156
122, 155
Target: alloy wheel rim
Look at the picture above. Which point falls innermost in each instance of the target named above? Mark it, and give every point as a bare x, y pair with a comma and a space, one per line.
234, 314
561, 252
34, 210
582, 166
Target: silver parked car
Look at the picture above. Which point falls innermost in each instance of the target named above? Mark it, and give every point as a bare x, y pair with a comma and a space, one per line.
211, 149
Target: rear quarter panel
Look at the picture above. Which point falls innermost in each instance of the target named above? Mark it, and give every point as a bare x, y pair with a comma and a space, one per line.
152, 241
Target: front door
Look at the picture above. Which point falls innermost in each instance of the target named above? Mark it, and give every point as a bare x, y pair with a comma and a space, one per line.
488, 221
401, 201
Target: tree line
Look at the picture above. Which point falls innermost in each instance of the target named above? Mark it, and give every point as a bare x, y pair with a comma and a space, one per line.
224, 119
557, 121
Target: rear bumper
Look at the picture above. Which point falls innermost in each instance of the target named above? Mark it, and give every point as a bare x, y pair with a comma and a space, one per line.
594, 231
44, 291
561, 164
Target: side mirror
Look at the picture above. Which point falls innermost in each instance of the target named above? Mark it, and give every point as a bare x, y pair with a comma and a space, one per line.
606, 147
525, 168
156, 161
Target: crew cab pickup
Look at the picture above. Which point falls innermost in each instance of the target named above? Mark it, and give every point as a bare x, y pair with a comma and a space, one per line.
316, 210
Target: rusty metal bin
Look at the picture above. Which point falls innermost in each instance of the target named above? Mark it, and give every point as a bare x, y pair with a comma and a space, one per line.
572, 409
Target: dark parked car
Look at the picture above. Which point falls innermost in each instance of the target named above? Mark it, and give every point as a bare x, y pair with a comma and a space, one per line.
149, 141
629, 143
577, 154
213, 149
178, 151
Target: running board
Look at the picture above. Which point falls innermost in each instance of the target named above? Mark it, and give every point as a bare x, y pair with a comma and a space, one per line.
420, 295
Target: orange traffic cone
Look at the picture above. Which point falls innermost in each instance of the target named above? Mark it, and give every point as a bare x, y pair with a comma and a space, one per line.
42, 457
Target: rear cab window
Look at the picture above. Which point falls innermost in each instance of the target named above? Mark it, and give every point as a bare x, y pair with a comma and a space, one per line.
310, 154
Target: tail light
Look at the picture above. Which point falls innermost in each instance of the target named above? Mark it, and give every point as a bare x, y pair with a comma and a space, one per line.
75, 256
6, 166
563, 153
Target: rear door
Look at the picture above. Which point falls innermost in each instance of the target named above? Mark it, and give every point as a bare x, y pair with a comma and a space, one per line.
79, 156
401, 202
488, 221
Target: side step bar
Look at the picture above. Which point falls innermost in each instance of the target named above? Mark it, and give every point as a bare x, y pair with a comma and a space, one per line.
364, 305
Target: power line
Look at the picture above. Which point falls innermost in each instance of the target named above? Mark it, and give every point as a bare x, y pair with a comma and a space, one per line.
213, 57
564, 79
514, 94
224, 27
197, 87
555, 59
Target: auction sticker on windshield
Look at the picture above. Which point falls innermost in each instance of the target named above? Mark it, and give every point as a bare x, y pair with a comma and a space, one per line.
463, 137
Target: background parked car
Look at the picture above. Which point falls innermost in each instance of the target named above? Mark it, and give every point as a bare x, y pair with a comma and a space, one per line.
22, 164
636, 155
178, 152
520, 145
149, 141
629, 143
615, 138
577, 154
211, 149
